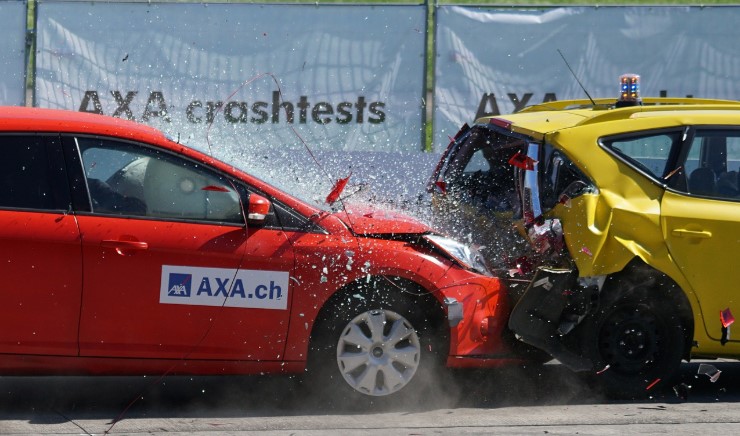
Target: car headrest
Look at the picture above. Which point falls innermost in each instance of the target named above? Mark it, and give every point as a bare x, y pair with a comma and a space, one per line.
702, 181
174, 191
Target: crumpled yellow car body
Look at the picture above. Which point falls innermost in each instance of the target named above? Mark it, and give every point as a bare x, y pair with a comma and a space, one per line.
623, 237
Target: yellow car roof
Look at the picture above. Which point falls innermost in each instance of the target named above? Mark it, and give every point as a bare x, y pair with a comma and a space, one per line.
538, 120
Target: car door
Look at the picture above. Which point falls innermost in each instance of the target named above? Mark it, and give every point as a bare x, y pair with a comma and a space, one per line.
701, 225
40, 258
170, 270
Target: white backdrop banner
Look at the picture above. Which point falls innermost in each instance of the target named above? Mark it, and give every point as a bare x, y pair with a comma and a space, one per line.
346, 78
251, 84
12, 52
496, 61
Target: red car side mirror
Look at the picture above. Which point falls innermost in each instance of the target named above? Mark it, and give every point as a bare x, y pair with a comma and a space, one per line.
258, 209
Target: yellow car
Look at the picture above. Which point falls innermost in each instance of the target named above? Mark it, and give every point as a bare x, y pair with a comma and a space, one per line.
615, 223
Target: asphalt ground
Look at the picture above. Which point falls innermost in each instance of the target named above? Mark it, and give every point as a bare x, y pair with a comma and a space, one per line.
538, 400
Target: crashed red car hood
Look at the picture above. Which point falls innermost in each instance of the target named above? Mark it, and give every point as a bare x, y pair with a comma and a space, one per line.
363, 220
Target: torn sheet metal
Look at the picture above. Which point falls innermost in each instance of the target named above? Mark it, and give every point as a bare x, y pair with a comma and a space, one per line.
546, 237
547, 311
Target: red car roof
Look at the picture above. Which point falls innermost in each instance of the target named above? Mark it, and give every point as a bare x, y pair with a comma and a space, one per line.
17, 118
22, 119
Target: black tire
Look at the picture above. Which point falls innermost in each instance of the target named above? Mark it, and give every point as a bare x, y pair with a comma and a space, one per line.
635, 343
414, 345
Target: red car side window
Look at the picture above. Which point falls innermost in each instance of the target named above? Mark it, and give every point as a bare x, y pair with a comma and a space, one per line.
26, 174
126, 179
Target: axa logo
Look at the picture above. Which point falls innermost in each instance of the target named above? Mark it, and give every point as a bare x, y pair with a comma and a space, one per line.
202, 286
215, 287
179, 285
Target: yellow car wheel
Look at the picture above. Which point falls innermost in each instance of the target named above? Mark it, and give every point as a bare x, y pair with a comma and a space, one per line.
636, 344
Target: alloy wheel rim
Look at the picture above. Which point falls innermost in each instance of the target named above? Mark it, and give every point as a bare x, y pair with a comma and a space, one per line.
378, 352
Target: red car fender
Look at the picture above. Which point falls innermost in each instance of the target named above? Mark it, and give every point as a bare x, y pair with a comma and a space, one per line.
483, 300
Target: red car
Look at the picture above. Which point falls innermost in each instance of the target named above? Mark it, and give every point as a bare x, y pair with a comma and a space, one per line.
124, 252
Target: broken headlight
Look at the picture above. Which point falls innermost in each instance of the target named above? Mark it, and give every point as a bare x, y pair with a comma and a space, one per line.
466, 256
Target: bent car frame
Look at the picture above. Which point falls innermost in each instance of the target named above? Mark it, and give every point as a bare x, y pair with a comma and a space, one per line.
615, 224
125, 252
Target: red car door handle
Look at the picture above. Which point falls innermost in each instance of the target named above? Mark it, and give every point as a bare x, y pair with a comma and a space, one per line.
124, 245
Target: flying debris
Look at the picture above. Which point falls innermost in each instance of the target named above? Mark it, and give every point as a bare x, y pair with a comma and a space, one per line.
727, 319
652, 384
710, 371
682, 391
521, 160
336, 191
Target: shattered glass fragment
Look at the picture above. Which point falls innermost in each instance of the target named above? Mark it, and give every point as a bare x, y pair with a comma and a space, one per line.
710, 371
